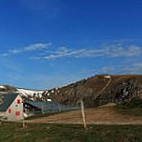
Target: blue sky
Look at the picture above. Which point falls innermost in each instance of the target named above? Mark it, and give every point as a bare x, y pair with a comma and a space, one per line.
49, 43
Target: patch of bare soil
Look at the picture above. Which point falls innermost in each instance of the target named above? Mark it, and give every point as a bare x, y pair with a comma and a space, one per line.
103, 115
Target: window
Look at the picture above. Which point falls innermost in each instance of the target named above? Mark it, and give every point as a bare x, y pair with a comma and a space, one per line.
18, 101
9, 110
17, 113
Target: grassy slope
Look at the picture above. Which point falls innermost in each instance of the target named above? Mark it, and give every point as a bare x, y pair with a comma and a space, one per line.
101, 115
128, 111
12, 132
132, 107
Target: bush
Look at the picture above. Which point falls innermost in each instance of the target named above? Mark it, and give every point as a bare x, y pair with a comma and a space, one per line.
132, 107
133, 103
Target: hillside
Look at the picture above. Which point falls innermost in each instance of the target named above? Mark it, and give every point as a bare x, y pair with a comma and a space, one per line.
94, 91
98, 90
25, 93
7, 88
4, 89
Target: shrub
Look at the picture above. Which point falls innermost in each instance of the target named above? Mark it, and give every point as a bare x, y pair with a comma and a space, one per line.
133, 103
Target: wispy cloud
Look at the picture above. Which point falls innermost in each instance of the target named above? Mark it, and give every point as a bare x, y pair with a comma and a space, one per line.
113, 51
32, 47
64, 52
126, 68
37, 46
132, 68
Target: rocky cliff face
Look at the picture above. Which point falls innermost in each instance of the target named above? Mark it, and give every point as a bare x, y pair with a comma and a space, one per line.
98, 90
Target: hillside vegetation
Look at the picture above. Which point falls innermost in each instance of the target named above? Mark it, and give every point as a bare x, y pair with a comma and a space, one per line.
98, 90
132, 107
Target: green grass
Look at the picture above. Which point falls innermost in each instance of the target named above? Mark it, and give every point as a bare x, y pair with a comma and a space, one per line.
13, 132
129, 111
132, 107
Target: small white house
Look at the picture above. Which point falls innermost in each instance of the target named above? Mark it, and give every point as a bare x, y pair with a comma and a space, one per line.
12, 107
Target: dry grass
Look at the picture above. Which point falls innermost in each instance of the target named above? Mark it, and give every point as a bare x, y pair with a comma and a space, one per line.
103, 115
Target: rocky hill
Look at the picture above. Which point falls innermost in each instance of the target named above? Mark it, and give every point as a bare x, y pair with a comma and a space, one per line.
25, 93
98, 90
94, 91
7, 88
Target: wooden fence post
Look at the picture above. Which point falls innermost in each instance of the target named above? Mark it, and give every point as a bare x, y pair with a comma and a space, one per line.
23, 123
83, 114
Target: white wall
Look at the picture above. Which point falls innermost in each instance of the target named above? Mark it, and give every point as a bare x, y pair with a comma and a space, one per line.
14, 108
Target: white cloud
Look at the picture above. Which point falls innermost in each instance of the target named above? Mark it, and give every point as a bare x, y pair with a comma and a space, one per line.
14, 51
64, 52
93, 53
127, 68
126, 52
113, 51
37, 46
32, 47
122, 68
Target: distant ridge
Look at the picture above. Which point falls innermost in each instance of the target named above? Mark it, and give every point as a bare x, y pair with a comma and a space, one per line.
94, 91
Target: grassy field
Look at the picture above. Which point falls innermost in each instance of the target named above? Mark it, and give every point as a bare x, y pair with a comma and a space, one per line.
13, 132
132, 107
129, 111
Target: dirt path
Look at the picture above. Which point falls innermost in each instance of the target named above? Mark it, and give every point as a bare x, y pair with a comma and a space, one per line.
93, 116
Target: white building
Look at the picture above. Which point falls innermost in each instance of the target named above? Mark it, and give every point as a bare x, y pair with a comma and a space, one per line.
12, 107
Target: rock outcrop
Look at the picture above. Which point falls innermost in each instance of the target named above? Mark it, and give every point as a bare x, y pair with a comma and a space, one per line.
98, 90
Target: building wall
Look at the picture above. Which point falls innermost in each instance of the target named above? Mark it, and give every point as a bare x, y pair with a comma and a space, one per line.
30, 110
15, 111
